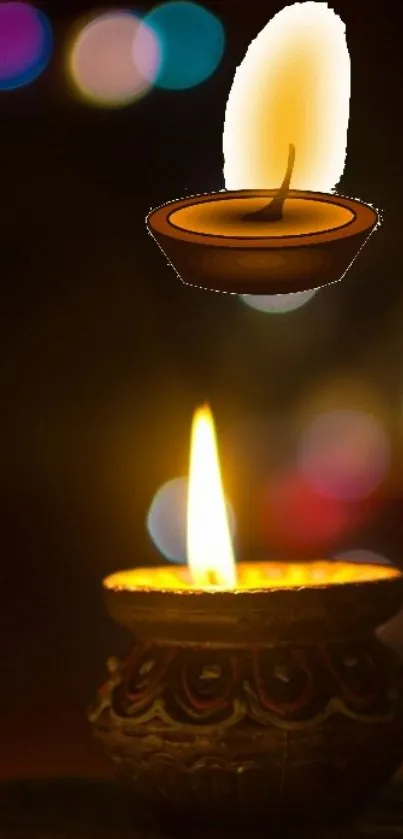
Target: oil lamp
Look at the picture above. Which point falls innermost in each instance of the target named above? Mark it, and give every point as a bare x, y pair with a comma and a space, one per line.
290, 96
256, 694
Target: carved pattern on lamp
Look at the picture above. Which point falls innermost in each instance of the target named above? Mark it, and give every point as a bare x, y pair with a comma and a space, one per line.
292, 688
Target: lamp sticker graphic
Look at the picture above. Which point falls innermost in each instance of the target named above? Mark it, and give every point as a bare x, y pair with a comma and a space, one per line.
278, 226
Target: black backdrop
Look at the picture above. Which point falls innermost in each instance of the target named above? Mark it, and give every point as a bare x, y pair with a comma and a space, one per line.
105, 354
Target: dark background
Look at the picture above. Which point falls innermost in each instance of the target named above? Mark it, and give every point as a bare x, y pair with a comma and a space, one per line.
105, 354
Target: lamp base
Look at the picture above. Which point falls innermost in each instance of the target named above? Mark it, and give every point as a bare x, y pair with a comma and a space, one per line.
243, 739
81, 807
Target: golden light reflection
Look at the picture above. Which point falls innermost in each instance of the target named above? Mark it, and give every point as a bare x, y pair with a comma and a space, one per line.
293, 86
256, 576
209, 548
303, 217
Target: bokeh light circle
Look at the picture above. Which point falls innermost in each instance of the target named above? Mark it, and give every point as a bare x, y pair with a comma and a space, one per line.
26, 43
277, 304
192, 42
295, 517
344, 454
167, 519
114, 59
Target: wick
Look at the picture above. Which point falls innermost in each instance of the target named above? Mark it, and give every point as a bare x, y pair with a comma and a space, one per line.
212, 578
274, 210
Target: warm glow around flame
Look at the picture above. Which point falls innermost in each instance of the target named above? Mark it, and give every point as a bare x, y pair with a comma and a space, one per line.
293, 86
253, 576
209, 547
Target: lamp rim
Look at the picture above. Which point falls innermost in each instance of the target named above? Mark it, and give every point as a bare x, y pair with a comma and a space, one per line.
365, 218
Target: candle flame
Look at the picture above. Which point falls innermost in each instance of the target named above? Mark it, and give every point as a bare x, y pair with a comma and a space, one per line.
293, 86
209, 547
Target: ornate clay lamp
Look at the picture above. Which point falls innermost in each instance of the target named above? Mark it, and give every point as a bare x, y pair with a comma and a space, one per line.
290, 95
255, 694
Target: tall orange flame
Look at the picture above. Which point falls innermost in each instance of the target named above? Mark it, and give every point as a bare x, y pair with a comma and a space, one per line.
293, 86
209, 546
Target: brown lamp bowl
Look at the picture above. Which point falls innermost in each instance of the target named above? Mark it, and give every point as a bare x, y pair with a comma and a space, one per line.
252, 709
262, 265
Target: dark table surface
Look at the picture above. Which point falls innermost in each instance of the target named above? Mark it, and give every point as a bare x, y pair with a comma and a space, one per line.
97, 809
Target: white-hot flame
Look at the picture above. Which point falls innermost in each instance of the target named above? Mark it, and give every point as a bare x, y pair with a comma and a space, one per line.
293, 86
209, 547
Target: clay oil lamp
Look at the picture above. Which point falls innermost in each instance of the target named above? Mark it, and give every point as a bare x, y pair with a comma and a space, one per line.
256, 694
278, 227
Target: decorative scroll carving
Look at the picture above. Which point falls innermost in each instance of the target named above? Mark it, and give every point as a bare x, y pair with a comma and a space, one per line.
284, 687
